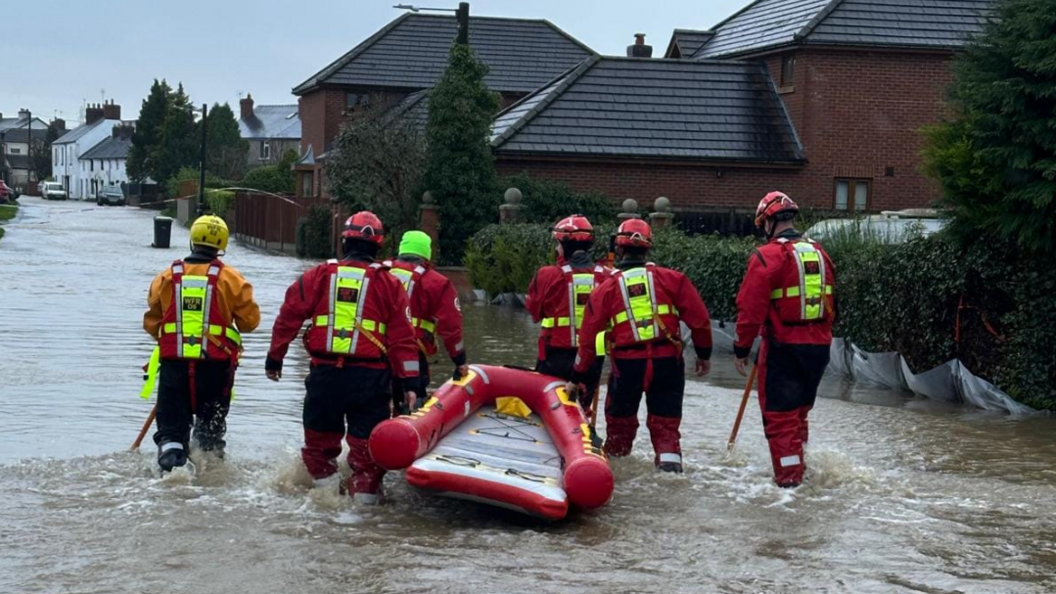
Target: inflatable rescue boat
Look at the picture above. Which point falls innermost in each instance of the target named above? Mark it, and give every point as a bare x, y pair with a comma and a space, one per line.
502, 436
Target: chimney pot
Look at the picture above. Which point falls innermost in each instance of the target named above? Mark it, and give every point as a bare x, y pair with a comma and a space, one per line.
111, 111
639, 49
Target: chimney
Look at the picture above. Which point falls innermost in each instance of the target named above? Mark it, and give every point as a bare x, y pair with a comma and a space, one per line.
122, 132
59, 124
246, 107
23, 114
639, 49
92, 114
111, 111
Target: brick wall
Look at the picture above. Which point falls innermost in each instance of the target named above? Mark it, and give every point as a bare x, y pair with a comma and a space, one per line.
857, 114
687, 186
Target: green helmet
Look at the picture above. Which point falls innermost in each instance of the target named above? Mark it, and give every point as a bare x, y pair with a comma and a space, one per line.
416, 243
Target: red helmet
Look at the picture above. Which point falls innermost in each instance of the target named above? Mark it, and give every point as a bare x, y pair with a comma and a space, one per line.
772, 205
364, 225
574, 228
634, 233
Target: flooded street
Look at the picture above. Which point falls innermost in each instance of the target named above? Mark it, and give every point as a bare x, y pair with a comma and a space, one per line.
903, 495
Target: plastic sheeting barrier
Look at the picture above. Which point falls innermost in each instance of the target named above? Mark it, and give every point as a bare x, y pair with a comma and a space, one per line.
950, 381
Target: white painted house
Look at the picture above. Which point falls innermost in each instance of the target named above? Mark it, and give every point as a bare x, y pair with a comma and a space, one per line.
77, 175
106, 160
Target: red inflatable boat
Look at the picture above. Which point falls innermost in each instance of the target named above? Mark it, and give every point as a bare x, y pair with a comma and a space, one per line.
530, 452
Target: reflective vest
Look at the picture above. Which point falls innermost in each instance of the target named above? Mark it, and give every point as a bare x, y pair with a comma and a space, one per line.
807, 294
342, 326
642, 318
580, 286
410, 279
193, 326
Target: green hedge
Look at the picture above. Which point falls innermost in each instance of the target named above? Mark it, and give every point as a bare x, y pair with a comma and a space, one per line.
903, 297
313, 233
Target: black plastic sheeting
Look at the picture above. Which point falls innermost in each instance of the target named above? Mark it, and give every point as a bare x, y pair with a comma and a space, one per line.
950, 381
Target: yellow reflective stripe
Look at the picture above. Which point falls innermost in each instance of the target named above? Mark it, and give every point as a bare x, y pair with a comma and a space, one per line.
556, 323
789, 292
228, 331
369, 325
151, 378
599, 344
660, 309
828, 289
424, 324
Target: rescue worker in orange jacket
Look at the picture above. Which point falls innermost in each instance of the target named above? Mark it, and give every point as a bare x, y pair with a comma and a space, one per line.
557, 300
198, 309
435, 311
787, 297
634, 316
359, 338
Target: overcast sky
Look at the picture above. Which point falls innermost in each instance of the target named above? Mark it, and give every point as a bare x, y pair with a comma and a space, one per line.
80, 50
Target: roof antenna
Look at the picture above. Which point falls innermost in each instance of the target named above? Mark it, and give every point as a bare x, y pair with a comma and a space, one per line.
409, 7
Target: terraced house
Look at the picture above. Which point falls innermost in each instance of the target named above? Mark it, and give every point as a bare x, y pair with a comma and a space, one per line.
824, 99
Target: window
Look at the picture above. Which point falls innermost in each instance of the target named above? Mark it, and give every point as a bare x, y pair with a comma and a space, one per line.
15, 151
852, 194
265, 151
307, 184
788, 71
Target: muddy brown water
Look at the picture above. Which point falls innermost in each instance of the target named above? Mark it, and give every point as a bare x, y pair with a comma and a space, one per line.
904, 495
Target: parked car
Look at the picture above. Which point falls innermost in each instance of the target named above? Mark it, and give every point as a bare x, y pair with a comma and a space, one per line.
6, 193
888, 226
110, 194
53, 191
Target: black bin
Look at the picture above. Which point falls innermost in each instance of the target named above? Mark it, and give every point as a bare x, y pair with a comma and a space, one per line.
162, 232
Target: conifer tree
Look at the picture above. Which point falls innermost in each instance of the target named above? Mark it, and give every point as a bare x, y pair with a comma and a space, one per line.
460, 170
996, 160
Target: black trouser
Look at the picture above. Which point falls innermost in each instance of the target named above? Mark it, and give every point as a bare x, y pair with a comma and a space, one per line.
663, 396
559, 363
358, 396
205, 406
398, 401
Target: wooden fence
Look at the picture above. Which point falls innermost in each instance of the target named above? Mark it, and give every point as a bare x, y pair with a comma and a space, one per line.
270, 221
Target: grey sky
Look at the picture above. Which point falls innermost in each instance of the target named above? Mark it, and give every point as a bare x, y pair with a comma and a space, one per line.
220, 47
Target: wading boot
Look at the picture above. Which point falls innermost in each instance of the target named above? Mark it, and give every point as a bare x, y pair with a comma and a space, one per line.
171, 455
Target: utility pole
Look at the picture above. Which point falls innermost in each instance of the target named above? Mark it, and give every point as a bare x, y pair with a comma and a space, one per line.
31, 170
462, 16
201, 165
3, 155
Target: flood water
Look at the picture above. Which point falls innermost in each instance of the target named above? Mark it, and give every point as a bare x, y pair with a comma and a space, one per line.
903, 495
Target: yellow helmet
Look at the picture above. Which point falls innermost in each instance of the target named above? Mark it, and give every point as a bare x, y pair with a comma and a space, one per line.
211, 231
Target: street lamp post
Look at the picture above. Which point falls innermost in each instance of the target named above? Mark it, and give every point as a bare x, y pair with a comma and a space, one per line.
201, 164
461, 15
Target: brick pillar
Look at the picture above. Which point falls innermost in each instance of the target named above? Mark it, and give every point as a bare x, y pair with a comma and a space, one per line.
429, 221
510, 212
661, 215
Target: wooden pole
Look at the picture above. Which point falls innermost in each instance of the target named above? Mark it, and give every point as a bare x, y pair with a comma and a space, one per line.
146, 427
740, 412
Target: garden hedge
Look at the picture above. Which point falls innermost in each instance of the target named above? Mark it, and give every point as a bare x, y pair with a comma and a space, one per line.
916, 298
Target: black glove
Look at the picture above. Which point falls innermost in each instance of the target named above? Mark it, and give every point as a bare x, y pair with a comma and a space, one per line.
272, 364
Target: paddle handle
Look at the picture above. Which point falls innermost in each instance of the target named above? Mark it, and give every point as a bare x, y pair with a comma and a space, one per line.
740, 412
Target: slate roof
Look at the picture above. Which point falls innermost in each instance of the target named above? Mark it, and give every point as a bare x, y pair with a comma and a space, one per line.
18, 161
272, 122
686, 42
655, 109
21, 134
76, 133
109, 148
769, 24
414, 107
411, 53
9, 123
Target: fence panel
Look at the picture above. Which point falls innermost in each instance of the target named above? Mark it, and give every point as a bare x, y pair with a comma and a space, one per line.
270, 221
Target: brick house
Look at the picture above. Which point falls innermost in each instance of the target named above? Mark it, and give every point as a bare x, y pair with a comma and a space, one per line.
857, 79
407, 56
